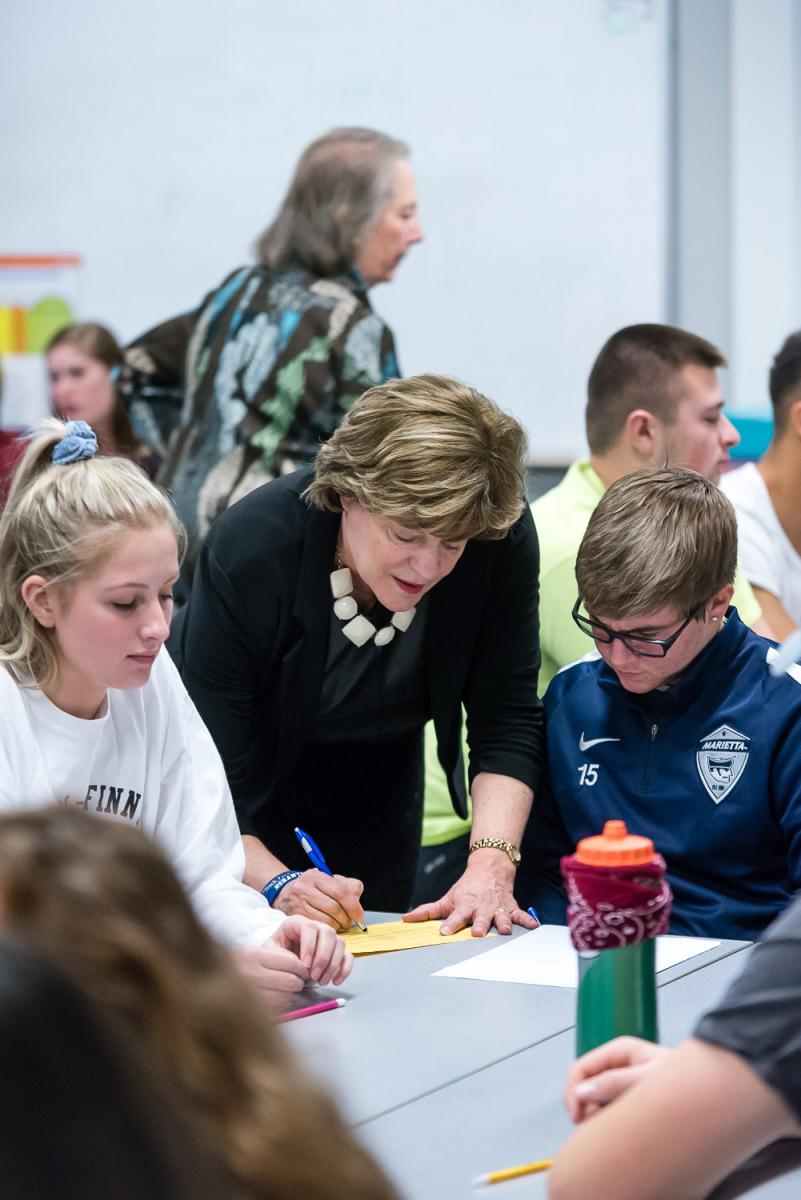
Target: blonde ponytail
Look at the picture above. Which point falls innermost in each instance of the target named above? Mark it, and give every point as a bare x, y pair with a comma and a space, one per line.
61, 521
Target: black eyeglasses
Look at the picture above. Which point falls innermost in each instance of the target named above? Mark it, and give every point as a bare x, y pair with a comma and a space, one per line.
645, 647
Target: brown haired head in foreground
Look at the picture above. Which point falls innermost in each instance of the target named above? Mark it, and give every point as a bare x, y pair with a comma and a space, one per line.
98, 897
638, 367
429, 453
658, 539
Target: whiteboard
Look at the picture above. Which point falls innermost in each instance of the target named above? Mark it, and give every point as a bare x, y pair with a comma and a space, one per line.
156, 140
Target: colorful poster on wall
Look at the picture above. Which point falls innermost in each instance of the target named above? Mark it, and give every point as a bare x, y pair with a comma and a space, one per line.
38, 296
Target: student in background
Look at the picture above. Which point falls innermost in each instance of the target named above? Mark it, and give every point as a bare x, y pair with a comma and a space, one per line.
767, 499
671, 1124
82, 364
246, 387
101, 900
675, 724
653, 399
95, 716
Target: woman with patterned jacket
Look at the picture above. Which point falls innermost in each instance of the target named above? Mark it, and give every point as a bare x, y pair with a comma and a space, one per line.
246, 387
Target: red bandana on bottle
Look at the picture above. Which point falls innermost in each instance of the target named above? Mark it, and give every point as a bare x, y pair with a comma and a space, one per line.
610, 907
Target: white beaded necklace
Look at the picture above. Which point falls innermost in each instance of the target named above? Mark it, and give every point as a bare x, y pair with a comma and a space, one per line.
358, 629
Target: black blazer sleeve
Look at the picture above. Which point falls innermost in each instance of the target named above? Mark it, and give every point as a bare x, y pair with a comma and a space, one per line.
505, 730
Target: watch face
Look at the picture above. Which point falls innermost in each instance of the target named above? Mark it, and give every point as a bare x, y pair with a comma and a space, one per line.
515, 855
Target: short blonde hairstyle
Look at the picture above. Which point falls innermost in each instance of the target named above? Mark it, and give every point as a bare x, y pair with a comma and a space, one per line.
429, 453
658, 539
62, 522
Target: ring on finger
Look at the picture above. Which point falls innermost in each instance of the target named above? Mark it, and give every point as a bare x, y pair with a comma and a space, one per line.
508, 911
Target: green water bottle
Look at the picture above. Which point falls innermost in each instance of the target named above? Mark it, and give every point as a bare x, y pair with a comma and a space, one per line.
618, 901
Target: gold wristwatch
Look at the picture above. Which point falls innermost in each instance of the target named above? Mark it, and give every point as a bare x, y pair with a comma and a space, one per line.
497, 844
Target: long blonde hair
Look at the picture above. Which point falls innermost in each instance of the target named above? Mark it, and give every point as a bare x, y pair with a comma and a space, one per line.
61, 522
98, 897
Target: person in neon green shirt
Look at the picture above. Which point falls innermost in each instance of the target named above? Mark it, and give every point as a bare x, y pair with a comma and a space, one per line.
653, 399
445, 836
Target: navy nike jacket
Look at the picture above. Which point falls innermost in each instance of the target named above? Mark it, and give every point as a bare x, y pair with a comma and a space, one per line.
708, 767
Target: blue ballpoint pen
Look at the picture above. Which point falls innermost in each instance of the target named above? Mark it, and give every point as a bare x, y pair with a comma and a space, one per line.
315, 855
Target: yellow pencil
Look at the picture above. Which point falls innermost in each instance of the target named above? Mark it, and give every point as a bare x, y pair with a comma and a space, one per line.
513, 1172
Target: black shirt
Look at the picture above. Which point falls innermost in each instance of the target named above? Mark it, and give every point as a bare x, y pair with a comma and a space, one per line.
372, 693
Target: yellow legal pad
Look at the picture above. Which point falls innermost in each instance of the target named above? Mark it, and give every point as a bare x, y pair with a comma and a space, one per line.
400, 935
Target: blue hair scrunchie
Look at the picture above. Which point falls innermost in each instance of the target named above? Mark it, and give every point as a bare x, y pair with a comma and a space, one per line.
78, 442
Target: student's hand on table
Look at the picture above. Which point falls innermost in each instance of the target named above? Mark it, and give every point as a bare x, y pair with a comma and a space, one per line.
482, 898
603, 1074
274, 972
299, 952
332, 899
322, 953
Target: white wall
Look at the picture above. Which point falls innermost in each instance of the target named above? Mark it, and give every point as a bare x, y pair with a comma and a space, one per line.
156, 140
738, 183
766, 219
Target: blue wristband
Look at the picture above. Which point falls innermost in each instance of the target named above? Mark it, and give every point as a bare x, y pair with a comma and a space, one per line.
271, 889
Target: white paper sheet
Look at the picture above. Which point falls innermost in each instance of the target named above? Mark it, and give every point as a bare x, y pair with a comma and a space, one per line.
546, 956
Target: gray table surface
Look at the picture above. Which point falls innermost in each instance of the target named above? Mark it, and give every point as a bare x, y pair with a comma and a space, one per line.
448, 1078
406, 1033
511, 1111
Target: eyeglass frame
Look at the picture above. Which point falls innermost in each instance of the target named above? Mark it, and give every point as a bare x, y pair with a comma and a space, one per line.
663, 644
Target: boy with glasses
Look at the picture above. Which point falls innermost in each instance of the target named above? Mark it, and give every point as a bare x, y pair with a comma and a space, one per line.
674, 724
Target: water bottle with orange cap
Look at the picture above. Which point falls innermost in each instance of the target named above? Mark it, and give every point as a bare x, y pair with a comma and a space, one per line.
618, 901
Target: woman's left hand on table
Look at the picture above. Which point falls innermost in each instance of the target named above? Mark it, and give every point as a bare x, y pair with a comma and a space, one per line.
482, 897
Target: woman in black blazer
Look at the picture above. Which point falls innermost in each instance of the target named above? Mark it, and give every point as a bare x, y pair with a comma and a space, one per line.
334, 611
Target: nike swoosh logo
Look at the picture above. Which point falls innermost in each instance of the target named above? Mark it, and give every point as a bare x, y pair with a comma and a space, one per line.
585, 744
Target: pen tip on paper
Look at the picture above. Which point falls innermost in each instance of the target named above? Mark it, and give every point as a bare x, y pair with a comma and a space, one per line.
479, 1180
362, 926
341, 1002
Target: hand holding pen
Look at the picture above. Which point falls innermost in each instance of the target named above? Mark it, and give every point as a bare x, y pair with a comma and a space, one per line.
321, 895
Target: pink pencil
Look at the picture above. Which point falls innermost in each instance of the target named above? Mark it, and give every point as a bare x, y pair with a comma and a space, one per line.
326, 1006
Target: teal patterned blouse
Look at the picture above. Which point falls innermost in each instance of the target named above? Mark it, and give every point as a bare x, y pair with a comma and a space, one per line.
247, 387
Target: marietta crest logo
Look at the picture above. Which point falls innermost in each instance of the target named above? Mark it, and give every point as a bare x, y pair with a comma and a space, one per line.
721, 760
